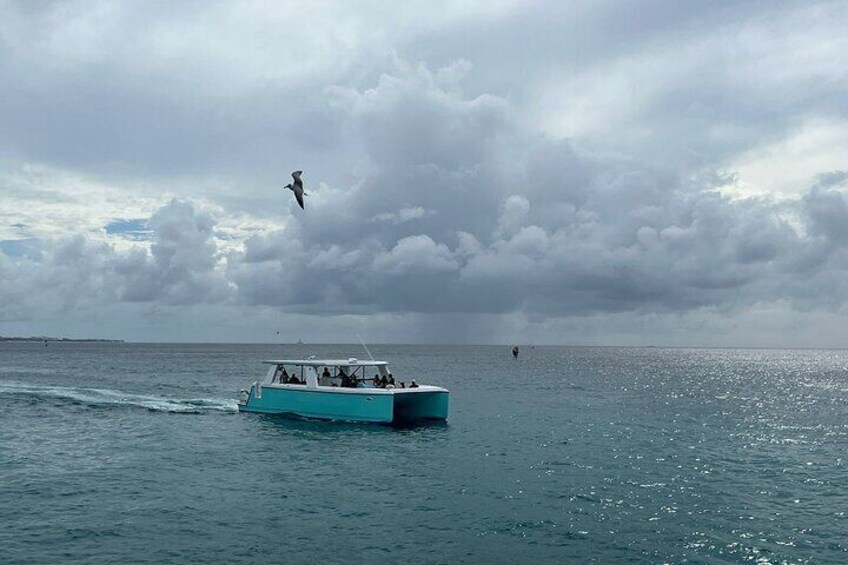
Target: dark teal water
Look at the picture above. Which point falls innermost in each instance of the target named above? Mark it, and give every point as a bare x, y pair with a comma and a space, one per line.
123, 453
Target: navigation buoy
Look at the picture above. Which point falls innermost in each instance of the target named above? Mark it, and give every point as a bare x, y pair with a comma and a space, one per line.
515, 352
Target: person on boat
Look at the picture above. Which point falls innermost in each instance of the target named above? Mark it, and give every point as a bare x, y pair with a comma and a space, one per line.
284, 376
326, 373
391, 380
413, 384
383, 381
376, 380
347, 382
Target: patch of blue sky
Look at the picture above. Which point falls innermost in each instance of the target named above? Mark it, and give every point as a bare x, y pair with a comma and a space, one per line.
129, 228
21, 248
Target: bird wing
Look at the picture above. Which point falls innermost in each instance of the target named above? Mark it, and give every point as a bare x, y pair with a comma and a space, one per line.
298, 193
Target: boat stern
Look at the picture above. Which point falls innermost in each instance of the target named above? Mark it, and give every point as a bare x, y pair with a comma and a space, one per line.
422, 403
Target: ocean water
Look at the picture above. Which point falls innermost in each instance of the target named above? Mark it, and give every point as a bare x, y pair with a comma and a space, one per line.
133, 453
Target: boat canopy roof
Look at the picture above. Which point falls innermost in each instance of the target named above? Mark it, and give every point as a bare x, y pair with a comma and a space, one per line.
327, 362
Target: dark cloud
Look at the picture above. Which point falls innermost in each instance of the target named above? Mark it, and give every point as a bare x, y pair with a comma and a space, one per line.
142, 89
63, 276
516, 165
826, 208
551, 232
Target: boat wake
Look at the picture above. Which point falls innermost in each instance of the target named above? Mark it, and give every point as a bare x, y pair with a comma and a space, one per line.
105, 398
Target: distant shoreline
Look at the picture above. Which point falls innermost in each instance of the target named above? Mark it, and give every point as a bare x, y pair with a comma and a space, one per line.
60, 339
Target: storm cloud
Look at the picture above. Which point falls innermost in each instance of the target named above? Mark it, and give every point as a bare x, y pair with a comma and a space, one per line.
458, 189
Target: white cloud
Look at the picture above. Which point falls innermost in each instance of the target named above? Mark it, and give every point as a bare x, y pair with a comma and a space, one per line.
403, 215
513, 215
786, 168
415, 255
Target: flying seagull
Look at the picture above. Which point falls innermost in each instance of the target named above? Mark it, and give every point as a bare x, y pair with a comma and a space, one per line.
297, 188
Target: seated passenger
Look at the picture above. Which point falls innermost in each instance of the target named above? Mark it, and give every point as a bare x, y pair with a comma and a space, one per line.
283, 376
383, 381
391, 380
376, 380
413, 384
326, 373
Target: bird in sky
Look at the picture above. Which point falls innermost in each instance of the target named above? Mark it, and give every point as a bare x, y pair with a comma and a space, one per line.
297, 188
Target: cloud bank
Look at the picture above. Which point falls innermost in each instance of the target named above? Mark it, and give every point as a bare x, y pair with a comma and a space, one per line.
621, 196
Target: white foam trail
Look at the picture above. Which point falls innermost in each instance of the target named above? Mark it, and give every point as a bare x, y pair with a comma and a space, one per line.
107, 397
22, 369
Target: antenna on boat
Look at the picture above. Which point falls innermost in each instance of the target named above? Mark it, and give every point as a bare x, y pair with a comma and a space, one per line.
365, 346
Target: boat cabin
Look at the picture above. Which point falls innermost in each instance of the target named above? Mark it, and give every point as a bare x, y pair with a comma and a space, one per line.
346, 373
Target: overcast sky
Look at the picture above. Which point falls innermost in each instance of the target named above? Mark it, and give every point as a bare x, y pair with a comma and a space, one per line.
598, 172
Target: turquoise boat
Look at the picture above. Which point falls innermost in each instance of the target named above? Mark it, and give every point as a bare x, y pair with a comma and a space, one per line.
335, 389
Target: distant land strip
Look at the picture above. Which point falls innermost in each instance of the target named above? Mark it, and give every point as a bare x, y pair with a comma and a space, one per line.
65, 339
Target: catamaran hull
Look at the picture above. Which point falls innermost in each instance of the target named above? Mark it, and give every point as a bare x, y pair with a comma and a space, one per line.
358, 405
420, 406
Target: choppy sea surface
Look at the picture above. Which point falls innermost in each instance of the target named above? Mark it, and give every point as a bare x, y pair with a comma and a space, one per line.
134, 453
